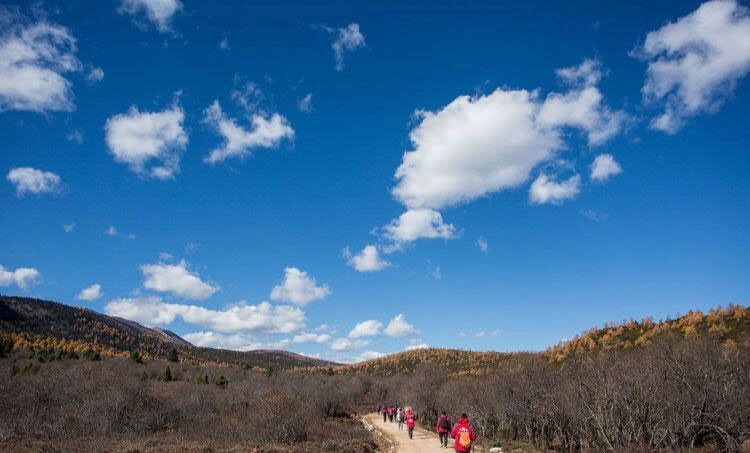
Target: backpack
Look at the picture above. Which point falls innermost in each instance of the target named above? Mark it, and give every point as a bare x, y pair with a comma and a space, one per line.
464, 439
445, 424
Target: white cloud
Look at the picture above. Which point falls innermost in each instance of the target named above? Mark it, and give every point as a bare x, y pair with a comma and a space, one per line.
159, 12
31, 180
604, 167
224, 44
140, 138
95, 75
33, 59
368, 260
114, 232
69, 227
348, 39
415, 343
483, 144
588, 73
241, 317
418, 223
176, 279
267, 132
93, 292
249, 96
544, 190
593, 215
436, 273
695, 62
298, 288
483, 245
234, 342
311, 338
369, 328
305, 104
345, 344
399, 327
583, 109
368, 355
23, 277
74, 136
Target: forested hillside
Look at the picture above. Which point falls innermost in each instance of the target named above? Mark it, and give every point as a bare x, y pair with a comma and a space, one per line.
728, 325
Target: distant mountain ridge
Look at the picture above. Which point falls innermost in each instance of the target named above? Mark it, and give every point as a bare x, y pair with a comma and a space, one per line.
45, 324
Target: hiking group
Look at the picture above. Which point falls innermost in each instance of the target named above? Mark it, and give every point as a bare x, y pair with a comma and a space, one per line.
462, 431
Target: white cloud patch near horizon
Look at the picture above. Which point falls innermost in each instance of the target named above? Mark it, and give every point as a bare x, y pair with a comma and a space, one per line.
367, 260
22, 277
346, 344
299, 288
158, 12
33, 60
240, 317
234, 342
695, 62
348, 39
368, 355
138, 139
176, 279
545, 190
92, 292
33, 181
311, 338
267, 131
604, 167
399, 327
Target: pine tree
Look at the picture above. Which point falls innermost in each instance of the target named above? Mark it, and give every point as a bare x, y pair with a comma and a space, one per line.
172, 356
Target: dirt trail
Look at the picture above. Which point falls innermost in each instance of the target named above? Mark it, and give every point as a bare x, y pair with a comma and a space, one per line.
423, 442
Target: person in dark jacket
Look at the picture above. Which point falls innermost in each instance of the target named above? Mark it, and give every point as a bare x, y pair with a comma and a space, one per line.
443, 429
464, 435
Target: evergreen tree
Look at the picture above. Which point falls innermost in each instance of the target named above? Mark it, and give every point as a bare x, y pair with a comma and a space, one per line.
167, 375
135, 356
172, 356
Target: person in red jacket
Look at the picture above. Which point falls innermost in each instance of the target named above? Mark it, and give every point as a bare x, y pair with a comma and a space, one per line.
409, 418
464, 435
443, 429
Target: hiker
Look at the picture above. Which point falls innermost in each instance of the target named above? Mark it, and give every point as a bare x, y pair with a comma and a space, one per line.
464, 435
391, 413
409, 416
385, 413
400, 416
443, 429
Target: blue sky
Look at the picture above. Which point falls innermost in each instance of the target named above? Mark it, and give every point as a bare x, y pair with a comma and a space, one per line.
356, 178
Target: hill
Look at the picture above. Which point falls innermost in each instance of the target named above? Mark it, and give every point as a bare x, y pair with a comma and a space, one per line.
44, 324
728, 325
456, 362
